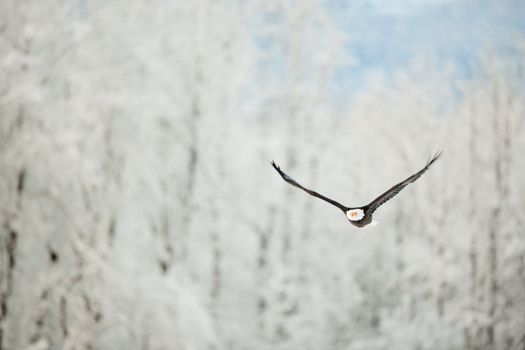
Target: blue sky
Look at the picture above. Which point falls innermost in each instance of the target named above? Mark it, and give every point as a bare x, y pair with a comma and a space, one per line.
386, 35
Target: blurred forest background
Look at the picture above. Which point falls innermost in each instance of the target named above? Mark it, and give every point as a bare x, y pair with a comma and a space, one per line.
138, 208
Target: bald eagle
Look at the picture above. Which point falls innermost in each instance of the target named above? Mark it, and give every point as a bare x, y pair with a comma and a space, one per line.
362, 216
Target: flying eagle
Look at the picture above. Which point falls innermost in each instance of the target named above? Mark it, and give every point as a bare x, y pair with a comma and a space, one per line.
362, 216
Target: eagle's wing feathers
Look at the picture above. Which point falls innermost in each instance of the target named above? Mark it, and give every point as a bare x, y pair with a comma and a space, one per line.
394, 190
292, 182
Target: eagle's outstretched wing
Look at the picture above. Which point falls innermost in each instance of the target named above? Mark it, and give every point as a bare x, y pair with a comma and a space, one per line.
310, 192
394, 190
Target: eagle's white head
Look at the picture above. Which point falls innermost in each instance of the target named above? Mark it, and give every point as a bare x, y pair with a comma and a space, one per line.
355, 214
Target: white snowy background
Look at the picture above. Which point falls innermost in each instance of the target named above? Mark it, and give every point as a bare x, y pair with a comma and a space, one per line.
138, 208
